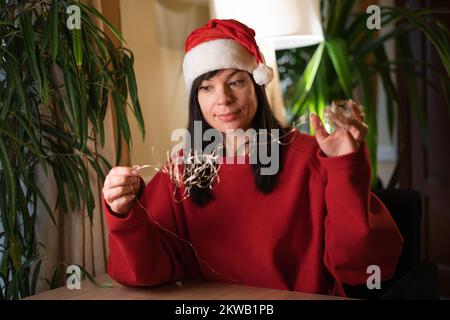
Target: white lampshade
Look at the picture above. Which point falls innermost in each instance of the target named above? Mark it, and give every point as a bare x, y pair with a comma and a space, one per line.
287, 23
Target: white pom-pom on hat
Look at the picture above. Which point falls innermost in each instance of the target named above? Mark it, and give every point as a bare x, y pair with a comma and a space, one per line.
263, 74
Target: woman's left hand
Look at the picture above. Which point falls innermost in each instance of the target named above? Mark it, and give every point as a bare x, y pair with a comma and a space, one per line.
348, 136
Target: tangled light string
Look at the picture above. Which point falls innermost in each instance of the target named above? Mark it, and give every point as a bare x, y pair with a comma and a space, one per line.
340, 112
200, 170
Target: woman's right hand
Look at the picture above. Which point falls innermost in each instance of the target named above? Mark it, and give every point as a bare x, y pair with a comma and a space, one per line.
122, 186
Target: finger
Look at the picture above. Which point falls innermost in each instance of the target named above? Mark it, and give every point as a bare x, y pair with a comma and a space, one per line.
357, 111
119, 180
318, 127
356, 134
358, 130
124, 171
338, 119
115, 193
355, 142
122, 204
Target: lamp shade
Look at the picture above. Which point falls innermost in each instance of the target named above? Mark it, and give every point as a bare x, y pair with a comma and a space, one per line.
287, 23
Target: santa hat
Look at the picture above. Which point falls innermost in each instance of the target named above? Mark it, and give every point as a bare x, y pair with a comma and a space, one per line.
223, 44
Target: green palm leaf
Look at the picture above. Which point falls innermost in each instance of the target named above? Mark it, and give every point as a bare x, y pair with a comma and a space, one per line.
303, 86
337, 49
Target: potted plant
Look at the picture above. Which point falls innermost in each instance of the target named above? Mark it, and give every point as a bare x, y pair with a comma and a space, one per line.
55, 85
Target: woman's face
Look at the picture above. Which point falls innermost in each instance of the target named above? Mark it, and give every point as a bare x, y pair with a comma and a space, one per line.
228, 100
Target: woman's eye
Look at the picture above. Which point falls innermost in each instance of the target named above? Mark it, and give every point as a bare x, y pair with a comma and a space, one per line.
204, 88
237, 83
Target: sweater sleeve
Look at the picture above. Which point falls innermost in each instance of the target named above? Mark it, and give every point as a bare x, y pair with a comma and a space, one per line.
359, 230
140, 252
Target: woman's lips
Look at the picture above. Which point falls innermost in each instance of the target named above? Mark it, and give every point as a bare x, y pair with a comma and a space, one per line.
227, 117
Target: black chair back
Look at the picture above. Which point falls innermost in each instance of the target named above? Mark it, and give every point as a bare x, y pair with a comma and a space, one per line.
411, 279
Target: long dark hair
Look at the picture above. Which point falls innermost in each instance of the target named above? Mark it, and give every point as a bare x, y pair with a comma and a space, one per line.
264, 119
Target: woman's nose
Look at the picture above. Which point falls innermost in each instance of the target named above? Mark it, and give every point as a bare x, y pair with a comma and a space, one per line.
224, 95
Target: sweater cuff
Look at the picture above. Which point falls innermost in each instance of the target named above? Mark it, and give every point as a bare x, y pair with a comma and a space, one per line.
352, 160
129, 220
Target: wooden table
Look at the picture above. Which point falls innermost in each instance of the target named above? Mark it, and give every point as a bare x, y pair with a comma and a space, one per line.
192, 290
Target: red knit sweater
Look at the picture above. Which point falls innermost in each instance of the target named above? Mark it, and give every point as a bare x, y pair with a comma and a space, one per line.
319, 228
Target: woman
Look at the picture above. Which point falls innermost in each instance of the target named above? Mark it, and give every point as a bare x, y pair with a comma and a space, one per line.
311, 226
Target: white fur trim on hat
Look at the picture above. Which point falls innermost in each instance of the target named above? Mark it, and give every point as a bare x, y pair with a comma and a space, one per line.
222, 54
